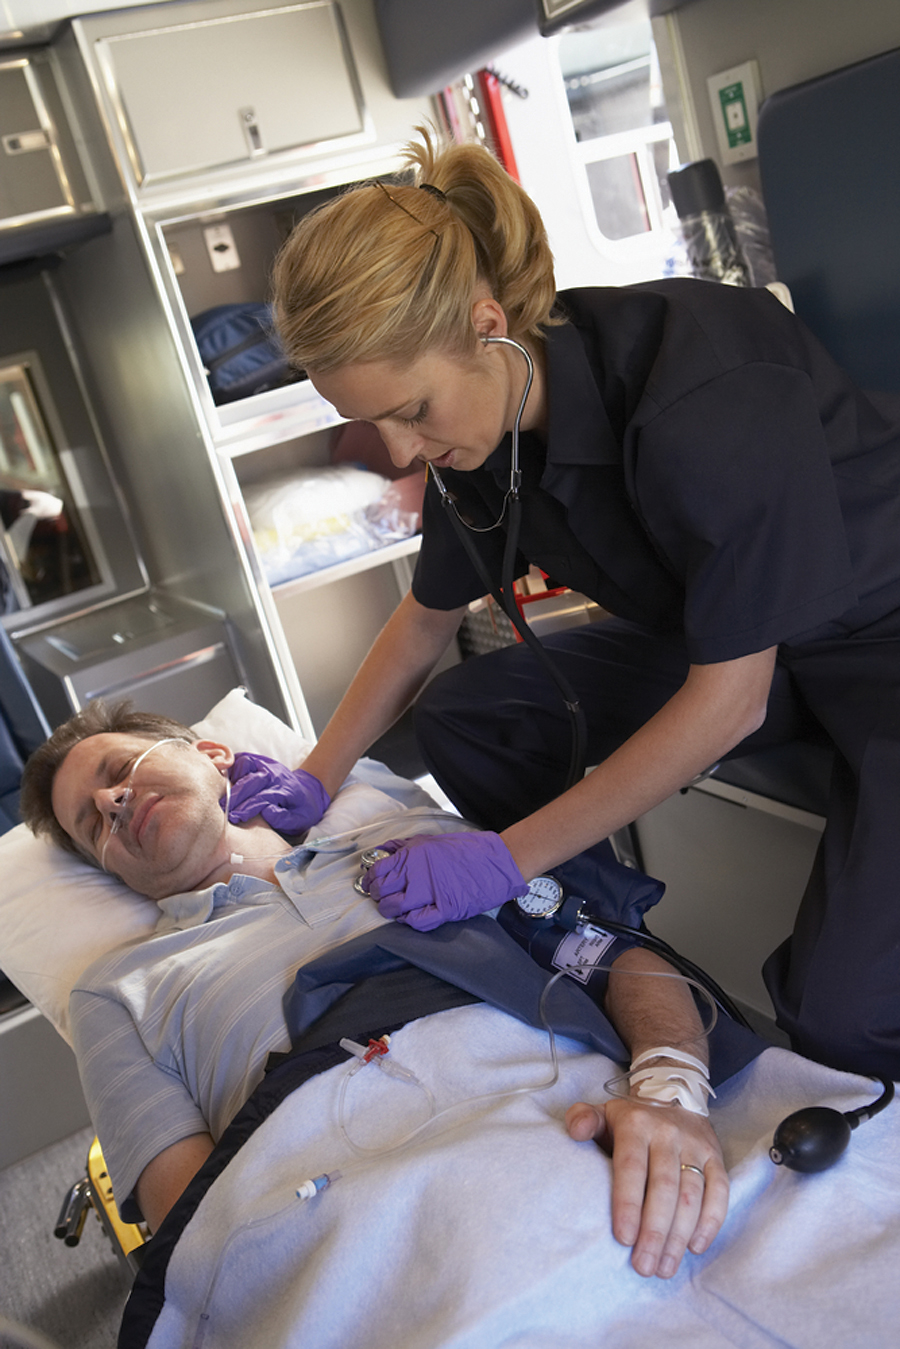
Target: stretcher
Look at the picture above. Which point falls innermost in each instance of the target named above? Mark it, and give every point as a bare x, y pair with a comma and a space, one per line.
802, 1260
94, 1193
505, 1191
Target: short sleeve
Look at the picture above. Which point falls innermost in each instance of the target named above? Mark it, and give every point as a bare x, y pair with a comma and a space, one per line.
735, 486
138, 1108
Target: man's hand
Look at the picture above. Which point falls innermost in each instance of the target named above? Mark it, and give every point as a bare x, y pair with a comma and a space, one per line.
658, 1207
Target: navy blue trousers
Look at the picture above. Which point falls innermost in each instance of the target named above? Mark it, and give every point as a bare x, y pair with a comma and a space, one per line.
496, 736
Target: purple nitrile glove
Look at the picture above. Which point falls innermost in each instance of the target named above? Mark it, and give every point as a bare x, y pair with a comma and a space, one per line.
443, 878
288, 799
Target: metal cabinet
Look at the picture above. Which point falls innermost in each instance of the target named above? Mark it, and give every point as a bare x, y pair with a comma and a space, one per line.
45, 196
34, 184
223, 115
237, 86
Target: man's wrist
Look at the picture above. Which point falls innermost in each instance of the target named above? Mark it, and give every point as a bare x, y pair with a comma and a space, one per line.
670, 1076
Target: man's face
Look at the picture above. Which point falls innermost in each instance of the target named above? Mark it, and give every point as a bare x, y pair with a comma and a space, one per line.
171, 833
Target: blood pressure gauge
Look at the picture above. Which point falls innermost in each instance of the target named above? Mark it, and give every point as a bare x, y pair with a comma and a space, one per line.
542, 898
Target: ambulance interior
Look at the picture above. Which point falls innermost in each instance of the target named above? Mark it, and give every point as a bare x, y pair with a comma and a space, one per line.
164, 541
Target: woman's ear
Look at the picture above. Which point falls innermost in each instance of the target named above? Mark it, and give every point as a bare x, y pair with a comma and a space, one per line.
221, 755
489, 318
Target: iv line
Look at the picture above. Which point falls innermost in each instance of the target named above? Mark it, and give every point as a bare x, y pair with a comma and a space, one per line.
455, 1105
497, 1096
307, 1190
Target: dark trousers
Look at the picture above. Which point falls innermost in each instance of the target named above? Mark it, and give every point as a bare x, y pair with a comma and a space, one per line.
496, 736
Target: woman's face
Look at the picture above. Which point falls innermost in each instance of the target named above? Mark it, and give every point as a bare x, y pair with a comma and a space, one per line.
447, 410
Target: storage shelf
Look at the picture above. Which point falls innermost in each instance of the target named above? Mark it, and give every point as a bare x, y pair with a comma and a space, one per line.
272, 418
379, 557
19, 243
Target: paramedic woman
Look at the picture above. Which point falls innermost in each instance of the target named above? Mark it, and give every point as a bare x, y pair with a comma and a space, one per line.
692, 460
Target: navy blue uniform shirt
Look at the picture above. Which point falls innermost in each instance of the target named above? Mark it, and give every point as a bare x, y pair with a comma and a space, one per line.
708, 469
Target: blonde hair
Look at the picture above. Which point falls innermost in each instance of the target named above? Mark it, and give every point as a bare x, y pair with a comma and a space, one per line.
385, 271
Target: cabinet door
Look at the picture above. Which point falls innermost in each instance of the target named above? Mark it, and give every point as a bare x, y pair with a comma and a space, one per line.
33, 183
207, 93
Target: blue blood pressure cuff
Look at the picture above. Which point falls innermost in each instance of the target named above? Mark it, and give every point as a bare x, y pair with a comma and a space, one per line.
572, 918
567, 939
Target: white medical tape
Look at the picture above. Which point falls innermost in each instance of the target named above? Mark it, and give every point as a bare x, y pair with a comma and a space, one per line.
667, 1052
685, 1084
667, 1085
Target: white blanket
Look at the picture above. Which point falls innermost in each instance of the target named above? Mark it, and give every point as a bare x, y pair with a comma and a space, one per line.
492, 1227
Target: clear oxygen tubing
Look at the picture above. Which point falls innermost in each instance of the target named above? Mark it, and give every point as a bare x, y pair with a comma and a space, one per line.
612, 1086
128, 792
503, 595
349, 840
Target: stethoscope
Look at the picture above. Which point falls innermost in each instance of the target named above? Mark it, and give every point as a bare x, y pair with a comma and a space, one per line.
809, 1140
504, 596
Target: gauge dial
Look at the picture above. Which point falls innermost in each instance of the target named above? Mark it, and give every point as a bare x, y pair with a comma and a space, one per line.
542, 898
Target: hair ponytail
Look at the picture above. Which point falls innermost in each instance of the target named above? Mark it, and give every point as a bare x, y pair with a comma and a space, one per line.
385, 271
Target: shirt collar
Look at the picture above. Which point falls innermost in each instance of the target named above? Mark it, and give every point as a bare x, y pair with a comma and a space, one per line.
191, 908
579, 431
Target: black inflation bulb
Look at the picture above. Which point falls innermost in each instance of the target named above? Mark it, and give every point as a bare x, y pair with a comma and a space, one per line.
810, 1140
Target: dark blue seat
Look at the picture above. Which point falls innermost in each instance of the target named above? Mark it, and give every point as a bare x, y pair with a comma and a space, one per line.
827, 161
828, 164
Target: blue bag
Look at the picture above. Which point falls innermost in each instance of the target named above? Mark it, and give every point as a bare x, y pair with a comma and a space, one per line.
240, 351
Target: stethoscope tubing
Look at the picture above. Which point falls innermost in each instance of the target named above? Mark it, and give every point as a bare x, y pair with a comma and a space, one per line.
505, 594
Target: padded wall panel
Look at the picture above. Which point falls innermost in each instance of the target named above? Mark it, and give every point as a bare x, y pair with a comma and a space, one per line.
828, 161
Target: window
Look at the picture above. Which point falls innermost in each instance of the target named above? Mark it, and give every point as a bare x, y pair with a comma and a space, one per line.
623, 139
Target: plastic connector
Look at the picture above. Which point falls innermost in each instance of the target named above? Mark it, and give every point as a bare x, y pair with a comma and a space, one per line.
308, 1188
374, 1050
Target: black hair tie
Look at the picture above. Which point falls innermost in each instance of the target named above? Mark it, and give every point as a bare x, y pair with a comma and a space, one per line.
435, 191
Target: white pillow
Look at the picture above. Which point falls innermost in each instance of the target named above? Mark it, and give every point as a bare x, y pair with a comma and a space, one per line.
237, 722
58, 915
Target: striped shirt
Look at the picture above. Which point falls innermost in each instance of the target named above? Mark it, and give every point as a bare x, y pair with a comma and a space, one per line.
172, 1033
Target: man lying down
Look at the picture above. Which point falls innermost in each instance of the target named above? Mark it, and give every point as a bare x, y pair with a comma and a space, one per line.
173, 1034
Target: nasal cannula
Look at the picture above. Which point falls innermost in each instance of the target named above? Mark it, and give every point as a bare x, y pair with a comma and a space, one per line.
128, 793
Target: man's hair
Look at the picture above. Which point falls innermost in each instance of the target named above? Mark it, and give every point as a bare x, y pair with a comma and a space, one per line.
97, 718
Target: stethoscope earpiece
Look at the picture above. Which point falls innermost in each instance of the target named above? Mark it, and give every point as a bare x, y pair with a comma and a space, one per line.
813, 1139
